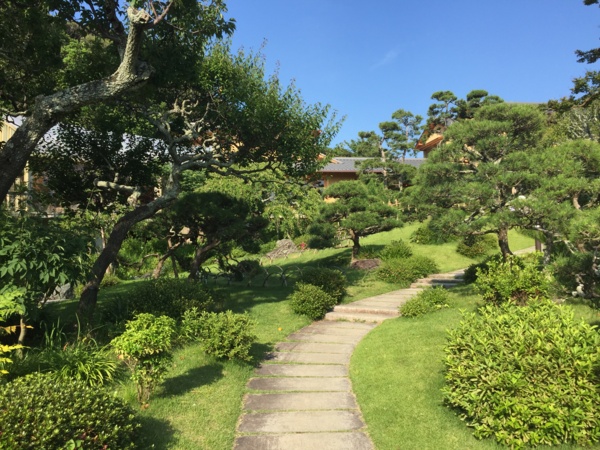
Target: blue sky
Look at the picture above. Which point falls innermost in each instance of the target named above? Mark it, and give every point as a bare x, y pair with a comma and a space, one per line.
368, 59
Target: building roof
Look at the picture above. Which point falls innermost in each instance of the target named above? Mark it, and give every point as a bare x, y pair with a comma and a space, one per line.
348, 164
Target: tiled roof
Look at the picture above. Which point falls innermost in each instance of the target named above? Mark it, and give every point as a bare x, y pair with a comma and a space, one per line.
348, 164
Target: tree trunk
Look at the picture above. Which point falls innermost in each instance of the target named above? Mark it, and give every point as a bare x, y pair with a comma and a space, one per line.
200, 258
503, 243
549, 244
355, 244
89, 296
50, 109
169, 254
22, 330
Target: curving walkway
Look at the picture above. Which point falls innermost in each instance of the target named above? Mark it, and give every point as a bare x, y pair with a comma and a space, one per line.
301, 396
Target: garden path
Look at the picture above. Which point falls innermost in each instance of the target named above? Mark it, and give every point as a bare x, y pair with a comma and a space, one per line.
301, 396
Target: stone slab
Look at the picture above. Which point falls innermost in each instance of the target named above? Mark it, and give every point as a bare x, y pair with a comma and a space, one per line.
314, 347
334, 330
304, 441
302, 370
324, 323
309, 358
354, 308
295, 384
317, 337
357, 317
300, 422
300, 401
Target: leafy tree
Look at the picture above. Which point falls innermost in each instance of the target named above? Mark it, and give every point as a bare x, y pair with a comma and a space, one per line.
470, 182
356, 212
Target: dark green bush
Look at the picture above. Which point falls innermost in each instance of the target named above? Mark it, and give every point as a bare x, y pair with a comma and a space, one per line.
322, 235
331, 281
40, 412
405, 271
525, 375
474, 246
170, 297
311, 301
516, 279
577, 274
430, 234
396, 250
424, 302
223, 335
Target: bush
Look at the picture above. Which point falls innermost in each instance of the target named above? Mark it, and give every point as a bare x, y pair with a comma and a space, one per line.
474, 246
322, 235
170, 297
145, 347
396, 250
370, 251
525, 375
424, 302
109, 280
40, 412
516, 279
329, 280
311, 301
430, 234
577, 274
223, 335
406, 271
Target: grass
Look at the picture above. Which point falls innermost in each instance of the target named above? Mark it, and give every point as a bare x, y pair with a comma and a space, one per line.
397, 374
200, 402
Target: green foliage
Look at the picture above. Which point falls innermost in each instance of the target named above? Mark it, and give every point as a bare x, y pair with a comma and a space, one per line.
525, 375
331, 281
170, 297
515, 279
396, 250
427, 234
40, 412
223, 335
322, 235
475, 246
145, 347
407, 270
577, 273
311, 301
424, 302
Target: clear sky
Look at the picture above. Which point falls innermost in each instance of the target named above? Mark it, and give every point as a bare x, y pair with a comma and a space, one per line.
368, 59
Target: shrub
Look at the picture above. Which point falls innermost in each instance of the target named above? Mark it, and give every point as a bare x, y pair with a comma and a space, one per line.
145, 347
311, 301
430, 234
223, 335
424, 302
406, 271
474, 246
396, 250
331, 281
516, 279
525, 375
170, 297
578, 273
109, 280
370, 251
40, 412
322, 235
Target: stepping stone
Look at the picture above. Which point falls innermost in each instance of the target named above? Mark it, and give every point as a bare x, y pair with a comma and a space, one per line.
300, 401
302, 370
356, 308
300, 422
327, 441
314, 347
334, 330
314, 337
309, 358
362, 326
357, 317
295, 384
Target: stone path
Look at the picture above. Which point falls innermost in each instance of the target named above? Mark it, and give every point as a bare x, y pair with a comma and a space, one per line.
301, 397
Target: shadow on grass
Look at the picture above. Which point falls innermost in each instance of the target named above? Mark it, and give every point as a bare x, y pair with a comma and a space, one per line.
155, 433
259, 351
193, 378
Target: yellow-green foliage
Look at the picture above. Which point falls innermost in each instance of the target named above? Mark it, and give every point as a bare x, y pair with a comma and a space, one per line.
311, 301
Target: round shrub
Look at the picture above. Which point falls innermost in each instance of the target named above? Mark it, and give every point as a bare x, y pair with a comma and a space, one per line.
170, 297
474, 246
405, 271
426, 301
311, 301
329, 280
525, 375
430, 234
396, 250
40, 412
514, 279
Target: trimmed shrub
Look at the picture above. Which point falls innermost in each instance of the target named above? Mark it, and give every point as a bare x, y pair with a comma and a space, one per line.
311, 301
322, 235
516, 279
396, 250
170, 297
474, 246
525, 375
331, 281
405, 271
223, 335
424, 302
430, 234
145, 347
577, 275
40, 412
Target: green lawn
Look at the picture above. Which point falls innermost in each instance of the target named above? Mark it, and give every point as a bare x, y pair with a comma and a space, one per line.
199, 404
